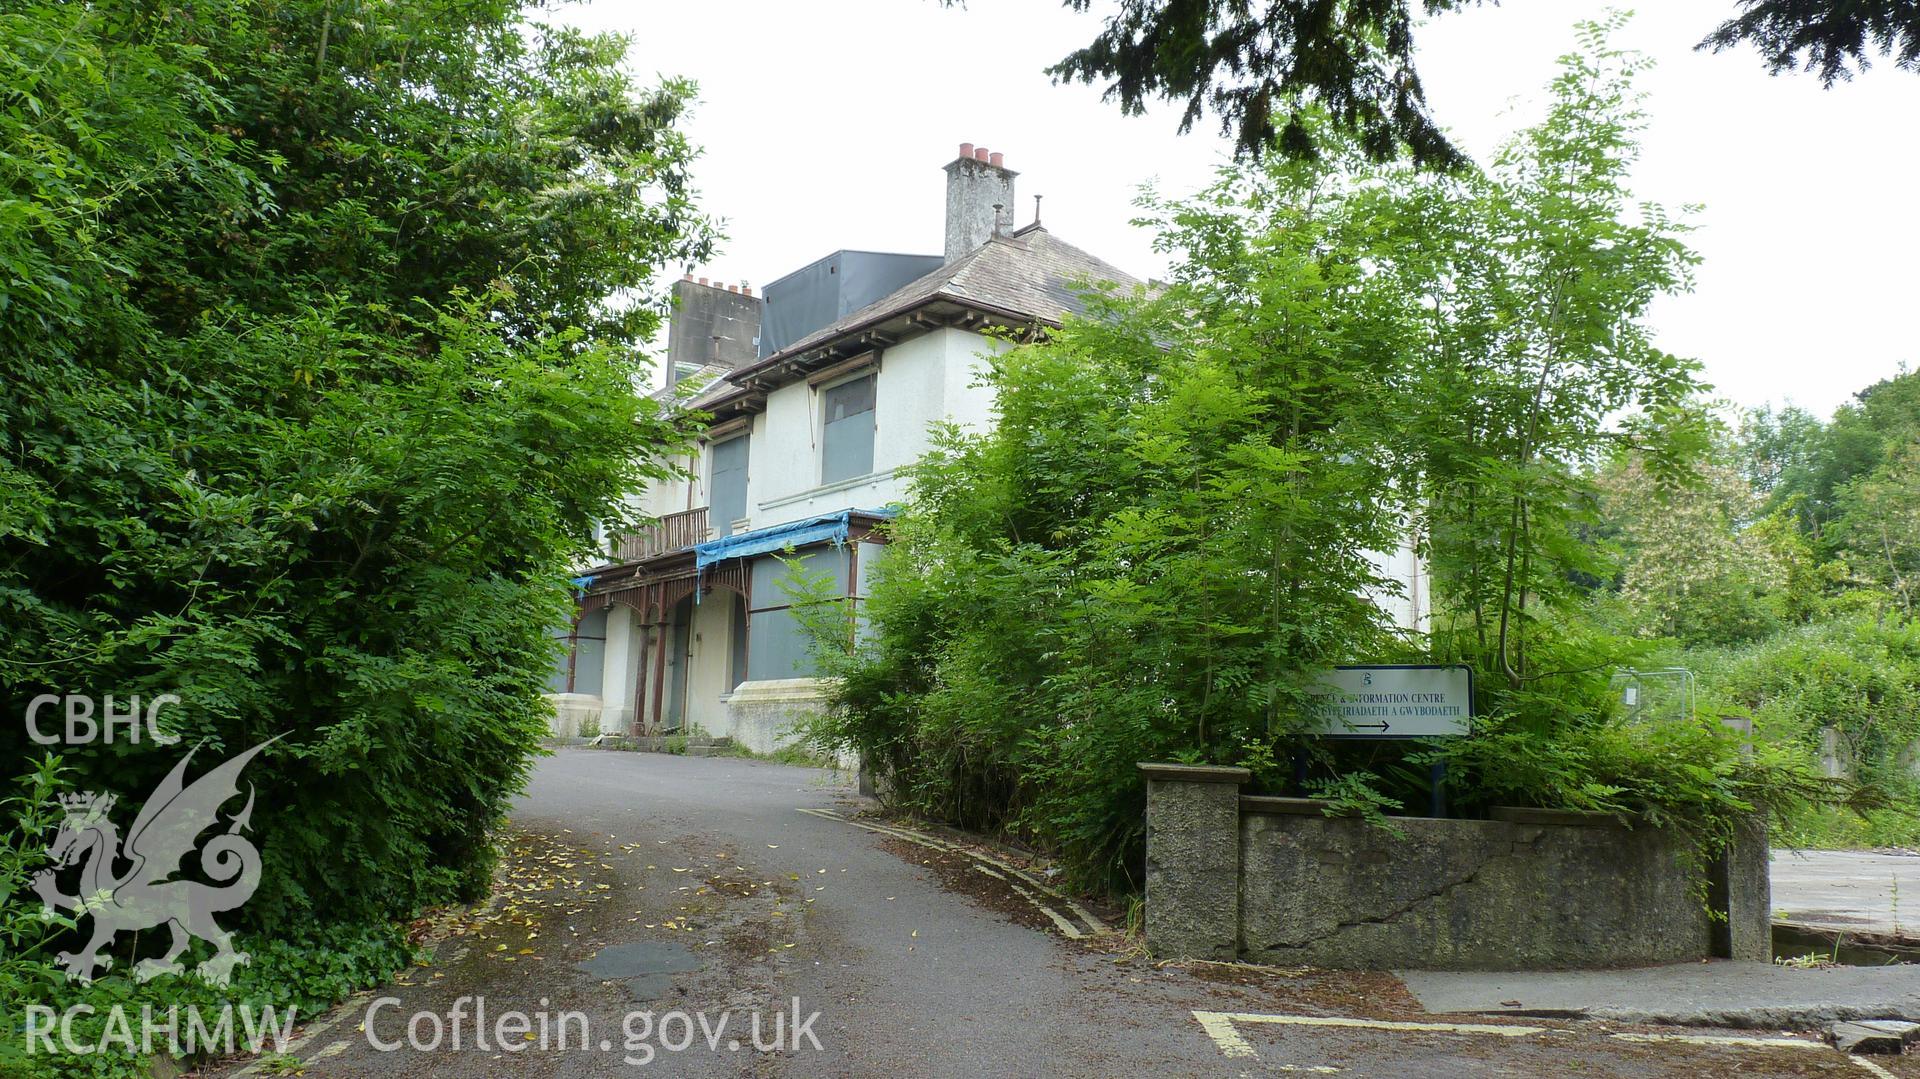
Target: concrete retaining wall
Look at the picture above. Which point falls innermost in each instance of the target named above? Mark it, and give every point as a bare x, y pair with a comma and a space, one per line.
1275, 880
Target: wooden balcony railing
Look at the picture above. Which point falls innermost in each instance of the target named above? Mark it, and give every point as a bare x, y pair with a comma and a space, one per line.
675, 532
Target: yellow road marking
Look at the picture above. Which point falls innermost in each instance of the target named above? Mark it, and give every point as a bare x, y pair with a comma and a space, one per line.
1872, 1067
1219, 1026
1066, 927
925, 840
1754, 1043
312, 1030
332, 1050
1713, 1039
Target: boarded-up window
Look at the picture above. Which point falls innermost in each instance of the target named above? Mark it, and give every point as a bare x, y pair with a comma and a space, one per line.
589, 643
847, 444
737, 645
777, 647
868, 556
728, 486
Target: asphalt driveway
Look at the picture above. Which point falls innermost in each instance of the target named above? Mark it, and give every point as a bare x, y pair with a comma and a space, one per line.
1848, 890
656, 914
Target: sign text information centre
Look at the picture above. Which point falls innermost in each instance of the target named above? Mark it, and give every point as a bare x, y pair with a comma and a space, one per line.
1396, 702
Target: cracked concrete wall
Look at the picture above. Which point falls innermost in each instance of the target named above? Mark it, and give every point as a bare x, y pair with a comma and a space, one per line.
1275, 880
1463, 894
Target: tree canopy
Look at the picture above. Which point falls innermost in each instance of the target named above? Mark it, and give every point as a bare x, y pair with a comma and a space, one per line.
1261, 68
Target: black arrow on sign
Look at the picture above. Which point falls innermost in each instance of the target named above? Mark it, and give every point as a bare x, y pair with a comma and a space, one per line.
1370, 726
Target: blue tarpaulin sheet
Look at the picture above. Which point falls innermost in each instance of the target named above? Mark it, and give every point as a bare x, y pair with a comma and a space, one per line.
828, 527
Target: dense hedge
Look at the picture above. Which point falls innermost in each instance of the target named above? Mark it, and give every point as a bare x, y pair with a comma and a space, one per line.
318, 330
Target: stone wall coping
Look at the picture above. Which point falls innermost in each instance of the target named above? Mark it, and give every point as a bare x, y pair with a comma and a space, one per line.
1302, 807
1317, 807
577, 700
1194, 773
780, 690
1563, 817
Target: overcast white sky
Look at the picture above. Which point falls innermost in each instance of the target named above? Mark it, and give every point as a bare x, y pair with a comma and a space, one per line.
825, 124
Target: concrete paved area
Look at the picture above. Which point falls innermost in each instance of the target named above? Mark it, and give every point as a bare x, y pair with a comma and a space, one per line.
1720, 993
1848, 890
640, 886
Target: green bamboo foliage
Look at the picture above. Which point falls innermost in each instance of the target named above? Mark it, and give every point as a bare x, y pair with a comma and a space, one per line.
1176, 521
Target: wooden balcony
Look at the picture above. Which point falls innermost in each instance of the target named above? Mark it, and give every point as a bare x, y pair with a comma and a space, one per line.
675, 532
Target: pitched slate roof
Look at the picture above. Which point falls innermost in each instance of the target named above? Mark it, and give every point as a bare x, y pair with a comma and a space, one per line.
700, 382
1029, 275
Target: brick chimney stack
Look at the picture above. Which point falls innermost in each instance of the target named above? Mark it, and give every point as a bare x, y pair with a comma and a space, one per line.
979, 199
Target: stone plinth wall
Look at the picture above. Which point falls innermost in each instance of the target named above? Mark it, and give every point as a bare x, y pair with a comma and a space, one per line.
575, 715
767, 715
1275, 880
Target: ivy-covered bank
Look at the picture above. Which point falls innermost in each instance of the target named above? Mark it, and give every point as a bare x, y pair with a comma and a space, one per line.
316, 328
1169, 532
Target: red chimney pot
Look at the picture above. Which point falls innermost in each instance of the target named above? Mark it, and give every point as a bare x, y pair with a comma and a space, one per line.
995, 159
980, 153
966, 149
746, 290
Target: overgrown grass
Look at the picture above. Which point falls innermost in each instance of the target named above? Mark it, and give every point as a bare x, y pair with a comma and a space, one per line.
1827, 828
1857, 676
797, 755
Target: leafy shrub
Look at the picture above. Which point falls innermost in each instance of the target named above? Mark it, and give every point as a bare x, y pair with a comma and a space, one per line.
317, 338
1859, 676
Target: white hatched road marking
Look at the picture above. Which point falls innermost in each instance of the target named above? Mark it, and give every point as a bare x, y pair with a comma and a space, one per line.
1219, 1026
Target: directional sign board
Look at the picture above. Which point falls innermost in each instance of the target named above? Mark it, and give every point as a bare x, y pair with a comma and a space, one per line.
1396, 702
